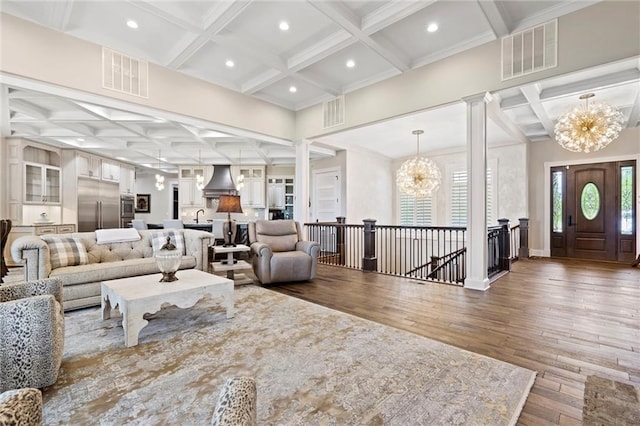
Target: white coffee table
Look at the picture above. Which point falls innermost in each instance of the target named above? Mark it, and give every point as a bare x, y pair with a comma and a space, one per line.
144, 294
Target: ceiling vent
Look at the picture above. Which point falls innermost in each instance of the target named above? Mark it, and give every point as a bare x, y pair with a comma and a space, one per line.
333, 112
124, 74
532, 50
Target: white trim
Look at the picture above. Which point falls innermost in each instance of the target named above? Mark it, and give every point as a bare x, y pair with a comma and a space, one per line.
546, 249
537, 253
482, 285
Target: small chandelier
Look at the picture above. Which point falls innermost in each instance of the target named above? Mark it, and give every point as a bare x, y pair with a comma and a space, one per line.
418, 176
159, 177
240, 178
590, 128
199, 176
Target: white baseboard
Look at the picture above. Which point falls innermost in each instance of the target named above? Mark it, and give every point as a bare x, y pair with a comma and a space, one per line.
538, 253
475, 284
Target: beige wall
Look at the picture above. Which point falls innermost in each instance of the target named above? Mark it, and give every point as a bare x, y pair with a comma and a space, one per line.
35, 52
626, 146
596, 35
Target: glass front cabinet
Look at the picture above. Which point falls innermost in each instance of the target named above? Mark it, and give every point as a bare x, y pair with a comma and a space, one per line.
41, 184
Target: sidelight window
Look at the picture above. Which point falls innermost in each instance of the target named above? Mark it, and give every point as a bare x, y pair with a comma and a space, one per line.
626, 198
558, 188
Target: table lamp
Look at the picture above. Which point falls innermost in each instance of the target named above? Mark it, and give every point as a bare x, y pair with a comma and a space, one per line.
229, 204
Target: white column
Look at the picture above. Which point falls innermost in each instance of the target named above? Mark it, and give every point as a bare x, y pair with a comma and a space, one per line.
477, 194
301, 184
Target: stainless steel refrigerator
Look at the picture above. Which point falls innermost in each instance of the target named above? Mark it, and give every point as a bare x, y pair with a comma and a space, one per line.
98, 205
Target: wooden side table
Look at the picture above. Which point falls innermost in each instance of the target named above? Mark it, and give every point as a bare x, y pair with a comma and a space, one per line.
231, 265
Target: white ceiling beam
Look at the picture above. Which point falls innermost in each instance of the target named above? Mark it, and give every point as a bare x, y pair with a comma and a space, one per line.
511, 102
320, 50
582, 86
495, 113
61, 14
345, 18
315, 149
27, 108
222, 15
495, 18
5, 125
258, 148
532, 93
634, 116
390, 13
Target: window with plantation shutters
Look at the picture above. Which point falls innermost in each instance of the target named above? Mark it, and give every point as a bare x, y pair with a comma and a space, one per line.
415, 211
459, 198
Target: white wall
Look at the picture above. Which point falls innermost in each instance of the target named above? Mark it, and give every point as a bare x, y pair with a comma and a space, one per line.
161, 201
627, 145
369, 188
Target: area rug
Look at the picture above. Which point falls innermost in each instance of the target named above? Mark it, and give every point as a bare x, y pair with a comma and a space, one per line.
609, 402
313, 366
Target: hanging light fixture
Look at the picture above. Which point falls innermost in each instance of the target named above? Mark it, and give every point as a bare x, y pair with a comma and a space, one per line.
590, 128
418, 176
200, 176
240, 179
159, 177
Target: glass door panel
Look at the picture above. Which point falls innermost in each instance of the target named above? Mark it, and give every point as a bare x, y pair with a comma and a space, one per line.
52, 194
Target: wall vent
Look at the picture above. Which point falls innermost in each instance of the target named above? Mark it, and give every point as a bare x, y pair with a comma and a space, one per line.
124, 74
333, 112
532, 50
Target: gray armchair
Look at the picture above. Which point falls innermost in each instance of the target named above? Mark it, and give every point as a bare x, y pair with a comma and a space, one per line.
31, 334
279, 254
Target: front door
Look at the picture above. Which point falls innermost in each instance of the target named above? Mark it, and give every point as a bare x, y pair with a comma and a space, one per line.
593, 214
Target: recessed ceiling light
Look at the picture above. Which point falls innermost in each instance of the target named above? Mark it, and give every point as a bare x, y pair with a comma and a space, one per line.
284, 26
351, 63
80, 139
293, 89
432, 27
132, 24
230, 63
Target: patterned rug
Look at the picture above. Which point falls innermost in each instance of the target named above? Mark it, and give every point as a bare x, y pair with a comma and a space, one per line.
313, 365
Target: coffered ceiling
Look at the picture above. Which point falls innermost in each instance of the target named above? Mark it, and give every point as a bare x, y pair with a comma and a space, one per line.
380, 38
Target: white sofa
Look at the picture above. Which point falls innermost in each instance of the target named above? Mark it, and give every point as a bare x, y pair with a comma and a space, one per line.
81, 282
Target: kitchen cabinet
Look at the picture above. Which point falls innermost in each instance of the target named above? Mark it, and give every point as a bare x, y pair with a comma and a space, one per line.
189, 195
127, 179
275, 193
41, 184
87, 165
252, 193
110, 171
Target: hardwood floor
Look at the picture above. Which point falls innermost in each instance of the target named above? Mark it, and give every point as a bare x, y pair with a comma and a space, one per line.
564, 319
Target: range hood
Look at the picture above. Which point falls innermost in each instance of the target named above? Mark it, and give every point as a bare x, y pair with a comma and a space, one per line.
221, 182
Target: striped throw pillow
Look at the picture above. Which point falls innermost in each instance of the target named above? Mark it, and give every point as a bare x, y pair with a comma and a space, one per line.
158, 239
66, 251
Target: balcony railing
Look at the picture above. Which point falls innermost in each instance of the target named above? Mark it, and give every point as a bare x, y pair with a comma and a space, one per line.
422, 253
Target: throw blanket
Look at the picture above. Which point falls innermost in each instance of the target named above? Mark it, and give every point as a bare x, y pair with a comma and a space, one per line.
119, 235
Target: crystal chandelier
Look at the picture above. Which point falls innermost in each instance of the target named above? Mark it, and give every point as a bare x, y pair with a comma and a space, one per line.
418, 176
159, 177
590, 128
199, 176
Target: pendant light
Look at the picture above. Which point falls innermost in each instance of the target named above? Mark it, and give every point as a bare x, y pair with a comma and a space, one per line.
159, 177
419, 176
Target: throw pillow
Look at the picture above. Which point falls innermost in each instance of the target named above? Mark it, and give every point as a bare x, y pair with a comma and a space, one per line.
66, 251
159, 238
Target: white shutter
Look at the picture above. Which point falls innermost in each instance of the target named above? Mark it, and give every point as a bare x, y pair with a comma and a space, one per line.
415, 211
459, 198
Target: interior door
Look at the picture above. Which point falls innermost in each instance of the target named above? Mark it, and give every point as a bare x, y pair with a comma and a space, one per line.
326, 207
593, 213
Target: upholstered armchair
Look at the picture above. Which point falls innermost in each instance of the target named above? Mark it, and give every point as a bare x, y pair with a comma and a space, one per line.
31, 333
21, 407
279, 254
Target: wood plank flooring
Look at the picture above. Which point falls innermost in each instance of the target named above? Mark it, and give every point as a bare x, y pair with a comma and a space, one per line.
565, 319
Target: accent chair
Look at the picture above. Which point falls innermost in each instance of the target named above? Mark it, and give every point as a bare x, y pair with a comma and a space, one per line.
31, 333
279, 254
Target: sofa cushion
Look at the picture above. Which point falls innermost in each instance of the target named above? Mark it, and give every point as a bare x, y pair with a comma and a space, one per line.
159, 238
66, 251
96, 272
